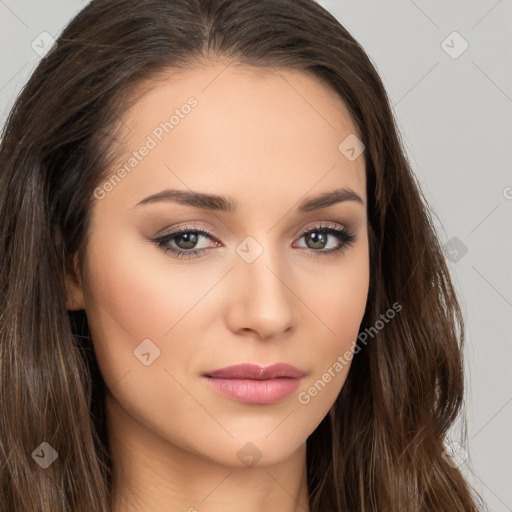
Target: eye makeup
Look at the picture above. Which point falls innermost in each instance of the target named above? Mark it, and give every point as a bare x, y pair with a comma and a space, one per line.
189, 234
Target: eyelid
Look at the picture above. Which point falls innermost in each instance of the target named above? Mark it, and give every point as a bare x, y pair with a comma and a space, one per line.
211, 232
189, 227
321, 225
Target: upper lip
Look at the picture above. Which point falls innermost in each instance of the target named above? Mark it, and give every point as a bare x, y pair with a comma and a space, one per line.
256, 372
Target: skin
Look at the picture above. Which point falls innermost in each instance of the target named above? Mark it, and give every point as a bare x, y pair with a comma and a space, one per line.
267, 139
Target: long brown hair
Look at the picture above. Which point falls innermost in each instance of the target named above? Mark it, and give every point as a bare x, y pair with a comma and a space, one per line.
380, 448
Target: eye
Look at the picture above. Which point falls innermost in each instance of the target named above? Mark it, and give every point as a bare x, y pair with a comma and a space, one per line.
182, 241
186, 238
317, 238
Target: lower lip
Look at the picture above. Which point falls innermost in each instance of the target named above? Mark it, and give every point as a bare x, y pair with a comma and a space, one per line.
254, 392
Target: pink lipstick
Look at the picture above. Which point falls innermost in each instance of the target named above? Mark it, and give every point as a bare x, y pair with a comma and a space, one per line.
253, 384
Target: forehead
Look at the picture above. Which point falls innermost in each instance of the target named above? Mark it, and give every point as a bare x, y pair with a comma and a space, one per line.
249, 127
229, 84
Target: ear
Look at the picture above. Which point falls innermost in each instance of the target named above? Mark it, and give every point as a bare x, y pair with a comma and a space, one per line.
75, 294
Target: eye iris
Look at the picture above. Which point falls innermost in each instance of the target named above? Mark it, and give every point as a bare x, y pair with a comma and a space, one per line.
190, 240
319, 239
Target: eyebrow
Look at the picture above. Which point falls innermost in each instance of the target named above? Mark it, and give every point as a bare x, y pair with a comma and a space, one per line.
229, 205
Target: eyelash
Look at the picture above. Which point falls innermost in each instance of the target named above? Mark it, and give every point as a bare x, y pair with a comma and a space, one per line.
345, 235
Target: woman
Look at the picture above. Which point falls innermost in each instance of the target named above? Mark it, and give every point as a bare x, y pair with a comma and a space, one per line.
221, 285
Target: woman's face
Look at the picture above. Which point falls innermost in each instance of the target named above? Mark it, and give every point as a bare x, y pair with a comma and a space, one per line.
257, 278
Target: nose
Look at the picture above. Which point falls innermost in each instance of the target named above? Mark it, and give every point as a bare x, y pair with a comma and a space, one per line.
262, 300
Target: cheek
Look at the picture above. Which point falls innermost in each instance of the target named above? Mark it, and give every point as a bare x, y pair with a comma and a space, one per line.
140, 289
339, 309
348, 310
340, 297
134, 296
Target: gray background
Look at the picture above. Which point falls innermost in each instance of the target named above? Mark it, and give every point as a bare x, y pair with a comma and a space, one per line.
455, 116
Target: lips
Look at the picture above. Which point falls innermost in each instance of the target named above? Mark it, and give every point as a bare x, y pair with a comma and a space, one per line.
255, 372
251, 384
